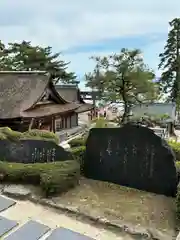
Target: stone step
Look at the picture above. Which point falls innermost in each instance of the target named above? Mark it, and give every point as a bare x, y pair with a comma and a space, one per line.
6, 203
63, 233
32, 230
6, 225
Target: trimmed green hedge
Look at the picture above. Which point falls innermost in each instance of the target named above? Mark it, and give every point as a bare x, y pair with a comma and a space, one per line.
176, 148
53, 178
77, 142
78, 154
7, 133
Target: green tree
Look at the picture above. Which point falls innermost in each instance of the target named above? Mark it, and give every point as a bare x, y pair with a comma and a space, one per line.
170, 63
25, 57
123, 77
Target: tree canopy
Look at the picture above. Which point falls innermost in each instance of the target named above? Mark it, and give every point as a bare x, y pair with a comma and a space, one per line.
123, 77
170, 63
26, 57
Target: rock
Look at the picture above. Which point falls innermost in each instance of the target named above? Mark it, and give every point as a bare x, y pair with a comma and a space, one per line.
17, 191
137, 231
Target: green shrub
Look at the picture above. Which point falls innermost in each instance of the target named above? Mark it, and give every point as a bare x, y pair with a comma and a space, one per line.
78, 154
176, 148
52, 177
101, 123
77, 142
41, 134
7, 133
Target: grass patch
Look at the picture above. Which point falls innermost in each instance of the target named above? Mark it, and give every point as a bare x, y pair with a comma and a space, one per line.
35, 134
53, 178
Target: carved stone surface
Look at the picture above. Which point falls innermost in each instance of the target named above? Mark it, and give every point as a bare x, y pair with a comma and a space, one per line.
32, 151
132, 156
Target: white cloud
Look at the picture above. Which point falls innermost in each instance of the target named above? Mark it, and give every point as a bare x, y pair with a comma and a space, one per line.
64, 24
67, 23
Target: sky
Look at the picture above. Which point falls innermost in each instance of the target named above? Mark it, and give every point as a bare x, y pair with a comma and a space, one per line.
80, 29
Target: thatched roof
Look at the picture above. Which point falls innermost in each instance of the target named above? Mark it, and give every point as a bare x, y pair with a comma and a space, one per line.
20, 91
71, 93
49, 109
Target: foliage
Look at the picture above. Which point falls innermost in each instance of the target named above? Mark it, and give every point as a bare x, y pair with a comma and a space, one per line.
41, 134
176, 148
7, 133
170, 62
52, 177
101, 123
123, 77
26, 57
78, 154
76, 142
150, 119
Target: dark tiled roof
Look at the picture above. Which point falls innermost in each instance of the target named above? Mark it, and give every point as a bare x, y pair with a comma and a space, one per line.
20, 91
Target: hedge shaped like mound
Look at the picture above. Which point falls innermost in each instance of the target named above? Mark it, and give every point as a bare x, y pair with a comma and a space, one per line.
176, 148
53, 178
8, 134
77, 142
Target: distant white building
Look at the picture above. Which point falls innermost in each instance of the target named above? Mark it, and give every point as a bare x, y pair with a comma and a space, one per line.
141, 110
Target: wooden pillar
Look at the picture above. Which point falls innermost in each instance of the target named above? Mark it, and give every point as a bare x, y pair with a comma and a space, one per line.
77, 119
70, 120
65, 121
31, 124
53, 124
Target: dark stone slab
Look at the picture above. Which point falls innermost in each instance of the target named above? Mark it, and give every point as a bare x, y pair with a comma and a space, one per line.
5, 203
63, 233
32, 230
32, 151
6, 225
132, 156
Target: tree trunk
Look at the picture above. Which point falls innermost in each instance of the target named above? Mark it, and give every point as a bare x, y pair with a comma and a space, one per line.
171, 129
124, 119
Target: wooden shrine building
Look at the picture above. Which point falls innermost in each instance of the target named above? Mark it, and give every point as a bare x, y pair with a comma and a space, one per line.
30, 100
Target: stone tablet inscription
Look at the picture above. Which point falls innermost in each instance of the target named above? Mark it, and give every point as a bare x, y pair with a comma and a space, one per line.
133, 156
32, 151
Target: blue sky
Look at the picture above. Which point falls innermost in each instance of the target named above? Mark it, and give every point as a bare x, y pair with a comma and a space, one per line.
81, 28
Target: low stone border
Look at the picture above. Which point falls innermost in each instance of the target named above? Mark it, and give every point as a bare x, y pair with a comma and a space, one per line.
23, 193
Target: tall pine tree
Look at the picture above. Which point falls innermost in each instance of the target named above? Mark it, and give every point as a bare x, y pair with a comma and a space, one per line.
170, 63
26, 57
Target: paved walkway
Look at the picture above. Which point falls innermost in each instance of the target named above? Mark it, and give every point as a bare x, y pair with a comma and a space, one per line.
23, 220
